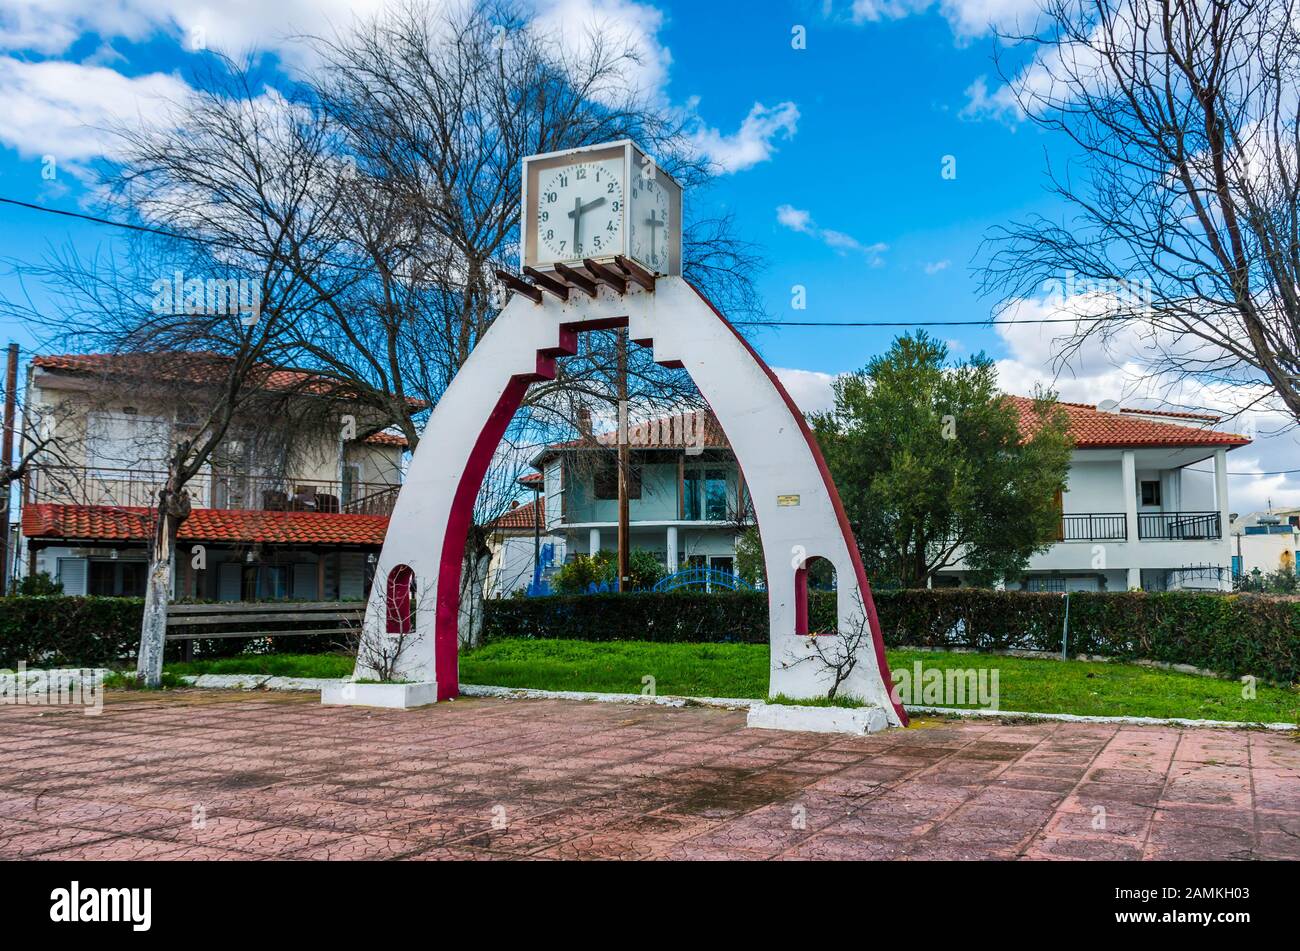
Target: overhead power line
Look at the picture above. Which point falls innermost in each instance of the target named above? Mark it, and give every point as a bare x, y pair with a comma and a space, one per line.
165, 233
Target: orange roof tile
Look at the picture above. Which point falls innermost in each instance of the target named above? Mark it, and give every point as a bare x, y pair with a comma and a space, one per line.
194, 366
1096, 429
667, 432
522, 516
132, 523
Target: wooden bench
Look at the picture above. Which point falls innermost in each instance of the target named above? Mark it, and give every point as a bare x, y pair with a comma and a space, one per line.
193, 622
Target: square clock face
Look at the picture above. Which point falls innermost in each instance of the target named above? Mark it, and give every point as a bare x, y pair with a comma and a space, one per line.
599, 202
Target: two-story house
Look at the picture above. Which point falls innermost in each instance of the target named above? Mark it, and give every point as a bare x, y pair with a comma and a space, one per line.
686, 500
259, 528
1146, 504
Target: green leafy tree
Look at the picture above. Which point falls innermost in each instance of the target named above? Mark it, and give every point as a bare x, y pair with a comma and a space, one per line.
933, 469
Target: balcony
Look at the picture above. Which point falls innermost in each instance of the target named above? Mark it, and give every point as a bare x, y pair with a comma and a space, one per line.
1179, 526
1093, 527
80, 485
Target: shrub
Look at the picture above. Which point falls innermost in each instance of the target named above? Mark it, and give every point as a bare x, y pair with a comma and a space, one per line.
1231, 634
578, 576
38, 584
57, 631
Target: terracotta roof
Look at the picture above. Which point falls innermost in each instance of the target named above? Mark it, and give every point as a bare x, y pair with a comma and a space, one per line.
135, 523
146, 363
532, 478
386, 439
1096, 429
522, 516
666, 432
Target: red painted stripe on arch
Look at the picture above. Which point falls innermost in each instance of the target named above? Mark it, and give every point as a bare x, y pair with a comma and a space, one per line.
877, 638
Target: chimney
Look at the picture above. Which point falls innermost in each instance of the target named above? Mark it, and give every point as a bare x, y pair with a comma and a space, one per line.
584, 423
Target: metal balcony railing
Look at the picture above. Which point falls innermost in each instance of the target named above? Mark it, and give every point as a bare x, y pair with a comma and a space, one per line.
1188, 526
1093, 527
84, 485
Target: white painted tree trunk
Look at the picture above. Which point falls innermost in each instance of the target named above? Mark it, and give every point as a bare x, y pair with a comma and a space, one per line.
153, 627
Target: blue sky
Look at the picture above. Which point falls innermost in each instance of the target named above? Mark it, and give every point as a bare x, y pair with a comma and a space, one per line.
831, 156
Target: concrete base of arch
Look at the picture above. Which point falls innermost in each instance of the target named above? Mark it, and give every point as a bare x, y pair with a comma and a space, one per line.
797, 507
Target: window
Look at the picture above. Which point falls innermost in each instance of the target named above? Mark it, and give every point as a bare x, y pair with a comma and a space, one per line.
1236, 565
117, 579
351, 480
693, 508
273, 582
120, 441
715, 495
1151, 493
1046, 583
605, 478
705, 495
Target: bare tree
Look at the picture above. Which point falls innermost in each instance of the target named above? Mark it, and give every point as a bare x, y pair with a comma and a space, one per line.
203, 316
435, 111
837, 652
1184, 217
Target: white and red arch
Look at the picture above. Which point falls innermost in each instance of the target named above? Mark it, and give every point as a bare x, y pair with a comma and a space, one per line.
772, 442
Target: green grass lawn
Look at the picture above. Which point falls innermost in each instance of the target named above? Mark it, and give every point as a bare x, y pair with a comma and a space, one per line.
740, 670
276, 665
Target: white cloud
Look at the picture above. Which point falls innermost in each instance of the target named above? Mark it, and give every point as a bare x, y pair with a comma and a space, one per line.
753, 142
50, 29
971, 18
67, 109
810, 389
618, 24
967, 18
797, 219
934, 267
35, 27
1001, 104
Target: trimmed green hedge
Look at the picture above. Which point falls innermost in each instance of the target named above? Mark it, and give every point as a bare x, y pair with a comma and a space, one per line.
67, 631
60, 631
1231, 634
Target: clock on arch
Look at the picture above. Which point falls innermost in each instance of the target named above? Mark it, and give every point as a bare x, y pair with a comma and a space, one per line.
600, 202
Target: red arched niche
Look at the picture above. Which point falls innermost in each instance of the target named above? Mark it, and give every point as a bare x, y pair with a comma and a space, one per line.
399, 601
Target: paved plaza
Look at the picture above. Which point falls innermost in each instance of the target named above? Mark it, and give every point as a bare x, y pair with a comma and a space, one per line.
226, 775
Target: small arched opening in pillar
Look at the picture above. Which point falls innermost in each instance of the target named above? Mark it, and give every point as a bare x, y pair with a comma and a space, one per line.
399, 601
816, 574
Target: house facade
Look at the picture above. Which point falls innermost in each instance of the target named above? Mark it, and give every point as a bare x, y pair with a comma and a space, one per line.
1146, 505
258, 529
686, 501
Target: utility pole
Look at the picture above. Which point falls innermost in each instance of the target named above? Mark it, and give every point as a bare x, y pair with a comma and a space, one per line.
7, 448
624, 464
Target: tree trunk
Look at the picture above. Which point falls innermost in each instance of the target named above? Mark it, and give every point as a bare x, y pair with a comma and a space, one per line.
173, 506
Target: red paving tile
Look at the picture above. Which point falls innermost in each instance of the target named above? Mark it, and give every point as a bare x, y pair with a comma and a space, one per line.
212, 775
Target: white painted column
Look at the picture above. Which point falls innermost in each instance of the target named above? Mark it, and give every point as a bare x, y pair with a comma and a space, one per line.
1221, 501
593, 543
672, 548
1128, 470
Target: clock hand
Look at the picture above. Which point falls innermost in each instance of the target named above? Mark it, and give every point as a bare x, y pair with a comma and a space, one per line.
579, 209
653, 223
